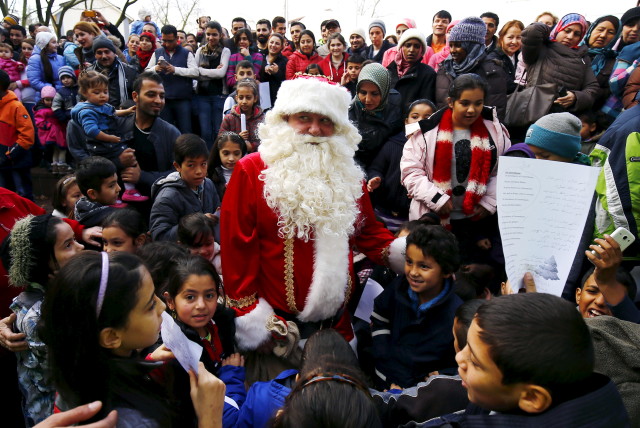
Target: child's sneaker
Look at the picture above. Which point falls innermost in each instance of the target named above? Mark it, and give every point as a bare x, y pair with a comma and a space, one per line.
133, 195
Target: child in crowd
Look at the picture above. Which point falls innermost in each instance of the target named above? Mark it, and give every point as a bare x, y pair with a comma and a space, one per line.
350, 78
329, 392
556, 137
98, 183
248, 104
51, 132
593, 127
196, 231
244, 70
96, 116
192, 296
313, 69
12, 67
123, 230
390, 201
413, 317
67, 96
537, 374
438, 394
144, 19
159, 257
34, 250
110, 301
65, 196
183, 192
228, 149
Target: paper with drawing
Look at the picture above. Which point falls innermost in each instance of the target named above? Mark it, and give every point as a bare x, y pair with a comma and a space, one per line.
542, 209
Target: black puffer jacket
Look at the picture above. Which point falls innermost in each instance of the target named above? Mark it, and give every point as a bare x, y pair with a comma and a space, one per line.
561, 65
375, 130
491, 71
417, 83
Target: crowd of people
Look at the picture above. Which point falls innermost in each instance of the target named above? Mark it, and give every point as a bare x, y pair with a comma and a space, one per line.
251, 187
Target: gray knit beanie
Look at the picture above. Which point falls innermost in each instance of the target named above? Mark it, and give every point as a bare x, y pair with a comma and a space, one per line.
471, 29
379, 76
103, 42
558, 133
378, 23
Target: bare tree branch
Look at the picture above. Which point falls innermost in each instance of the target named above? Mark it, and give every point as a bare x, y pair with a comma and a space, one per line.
123, 14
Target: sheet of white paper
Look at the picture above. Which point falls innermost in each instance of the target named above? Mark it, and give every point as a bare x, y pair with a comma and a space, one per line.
365, 305
186, 351
542, 209
265, 95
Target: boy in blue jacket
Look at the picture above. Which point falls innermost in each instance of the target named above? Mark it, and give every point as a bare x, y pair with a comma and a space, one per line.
412, 319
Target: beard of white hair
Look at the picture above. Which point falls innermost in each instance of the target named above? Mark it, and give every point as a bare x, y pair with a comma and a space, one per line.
311, 187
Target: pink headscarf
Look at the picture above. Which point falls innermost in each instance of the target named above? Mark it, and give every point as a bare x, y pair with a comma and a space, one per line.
565, 21
410, 23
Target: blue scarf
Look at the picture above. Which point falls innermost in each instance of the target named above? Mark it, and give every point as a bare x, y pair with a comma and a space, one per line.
599, 56
475, 53
422, 308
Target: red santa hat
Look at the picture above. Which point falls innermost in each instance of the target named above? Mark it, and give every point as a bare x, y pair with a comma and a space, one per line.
313, 94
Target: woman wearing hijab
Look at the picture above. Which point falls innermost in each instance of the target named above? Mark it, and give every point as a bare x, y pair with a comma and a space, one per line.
601, 37
561, 60
375, 110
468, 55
409, 75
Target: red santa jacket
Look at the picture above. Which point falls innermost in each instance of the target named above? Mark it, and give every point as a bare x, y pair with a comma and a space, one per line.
263, 271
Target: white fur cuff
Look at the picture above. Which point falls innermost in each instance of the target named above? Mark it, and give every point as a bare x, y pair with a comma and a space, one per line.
251, 329
397, 251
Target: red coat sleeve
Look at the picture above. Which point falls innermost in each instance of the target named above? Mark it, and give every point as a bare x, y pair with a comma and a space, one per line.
372, 238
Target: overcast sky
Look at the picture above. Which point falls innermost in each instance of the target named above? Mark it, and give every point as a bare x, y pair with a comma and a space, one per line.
391, 11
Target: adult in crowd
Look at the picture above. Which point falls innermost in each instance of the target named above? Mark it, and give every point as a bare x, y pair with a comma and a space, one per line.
133, 43
82, 55
274, 65
409, 75
468, 55
192, 41
297, 222
332, 27
305, 55
44, 63
601, 37
390, 54
103, 23
279, 25
439, 23
335, 65
376, 111
437, 58
17, 34
357, 42
151, 139
378, 45
120, 75
547, 18
212, 60
9, 20
237, 24
630, 28
508, 51
245, 50
491, 20
146, 49
296, 28
27, 93
263, 30
177, 67
562, 61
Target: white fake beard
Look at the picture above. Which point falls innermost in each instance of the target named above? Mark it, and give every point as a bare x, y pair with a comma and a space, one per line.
312, 187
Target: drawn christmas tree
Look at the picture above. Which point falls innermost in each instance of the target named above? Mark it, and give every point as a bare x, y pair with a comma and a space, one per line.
548, 269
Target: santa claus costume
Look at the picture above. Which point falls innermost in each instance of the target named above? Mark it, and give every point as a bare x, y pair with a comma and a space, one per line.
292, 214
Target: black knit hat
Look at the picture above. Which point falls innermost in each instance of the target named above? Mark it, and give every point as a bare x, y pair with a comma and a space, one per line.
102, 42
630, 15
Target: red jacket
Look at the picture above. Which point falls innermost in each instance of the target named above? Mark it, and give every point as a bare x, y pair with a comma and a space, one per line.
298, 63
15, 123
329, 70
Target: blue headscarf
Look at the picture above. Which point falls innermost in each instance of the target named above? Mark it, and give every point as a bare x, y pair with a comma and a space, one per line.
475, 53
599, 56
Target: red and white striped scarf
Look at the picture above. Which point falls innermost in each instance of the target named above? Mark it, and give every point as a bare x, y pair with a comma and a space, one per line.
480, 161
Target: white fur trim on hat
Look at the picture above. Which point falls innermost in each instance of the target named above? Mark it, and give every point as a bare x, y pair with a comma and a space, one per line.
397, 251
413, 33
313, 95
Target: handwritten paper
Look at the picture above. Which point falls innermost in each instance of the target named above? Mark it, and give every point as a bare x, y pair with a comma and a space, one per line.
542, 209
186, 351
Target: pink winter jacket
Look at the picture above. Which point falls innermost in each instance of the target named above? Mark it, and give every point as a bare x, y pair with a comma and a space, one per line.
50, 130
416, 165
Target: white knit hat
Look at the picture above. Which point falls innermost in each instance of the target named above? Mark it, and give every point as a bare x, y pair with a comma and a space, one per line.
143, 13
43, 39
413, 33
313, 95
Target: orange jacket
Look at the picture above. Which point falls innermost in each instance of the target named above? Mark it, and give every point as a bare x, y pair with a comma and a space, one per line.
15, 123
